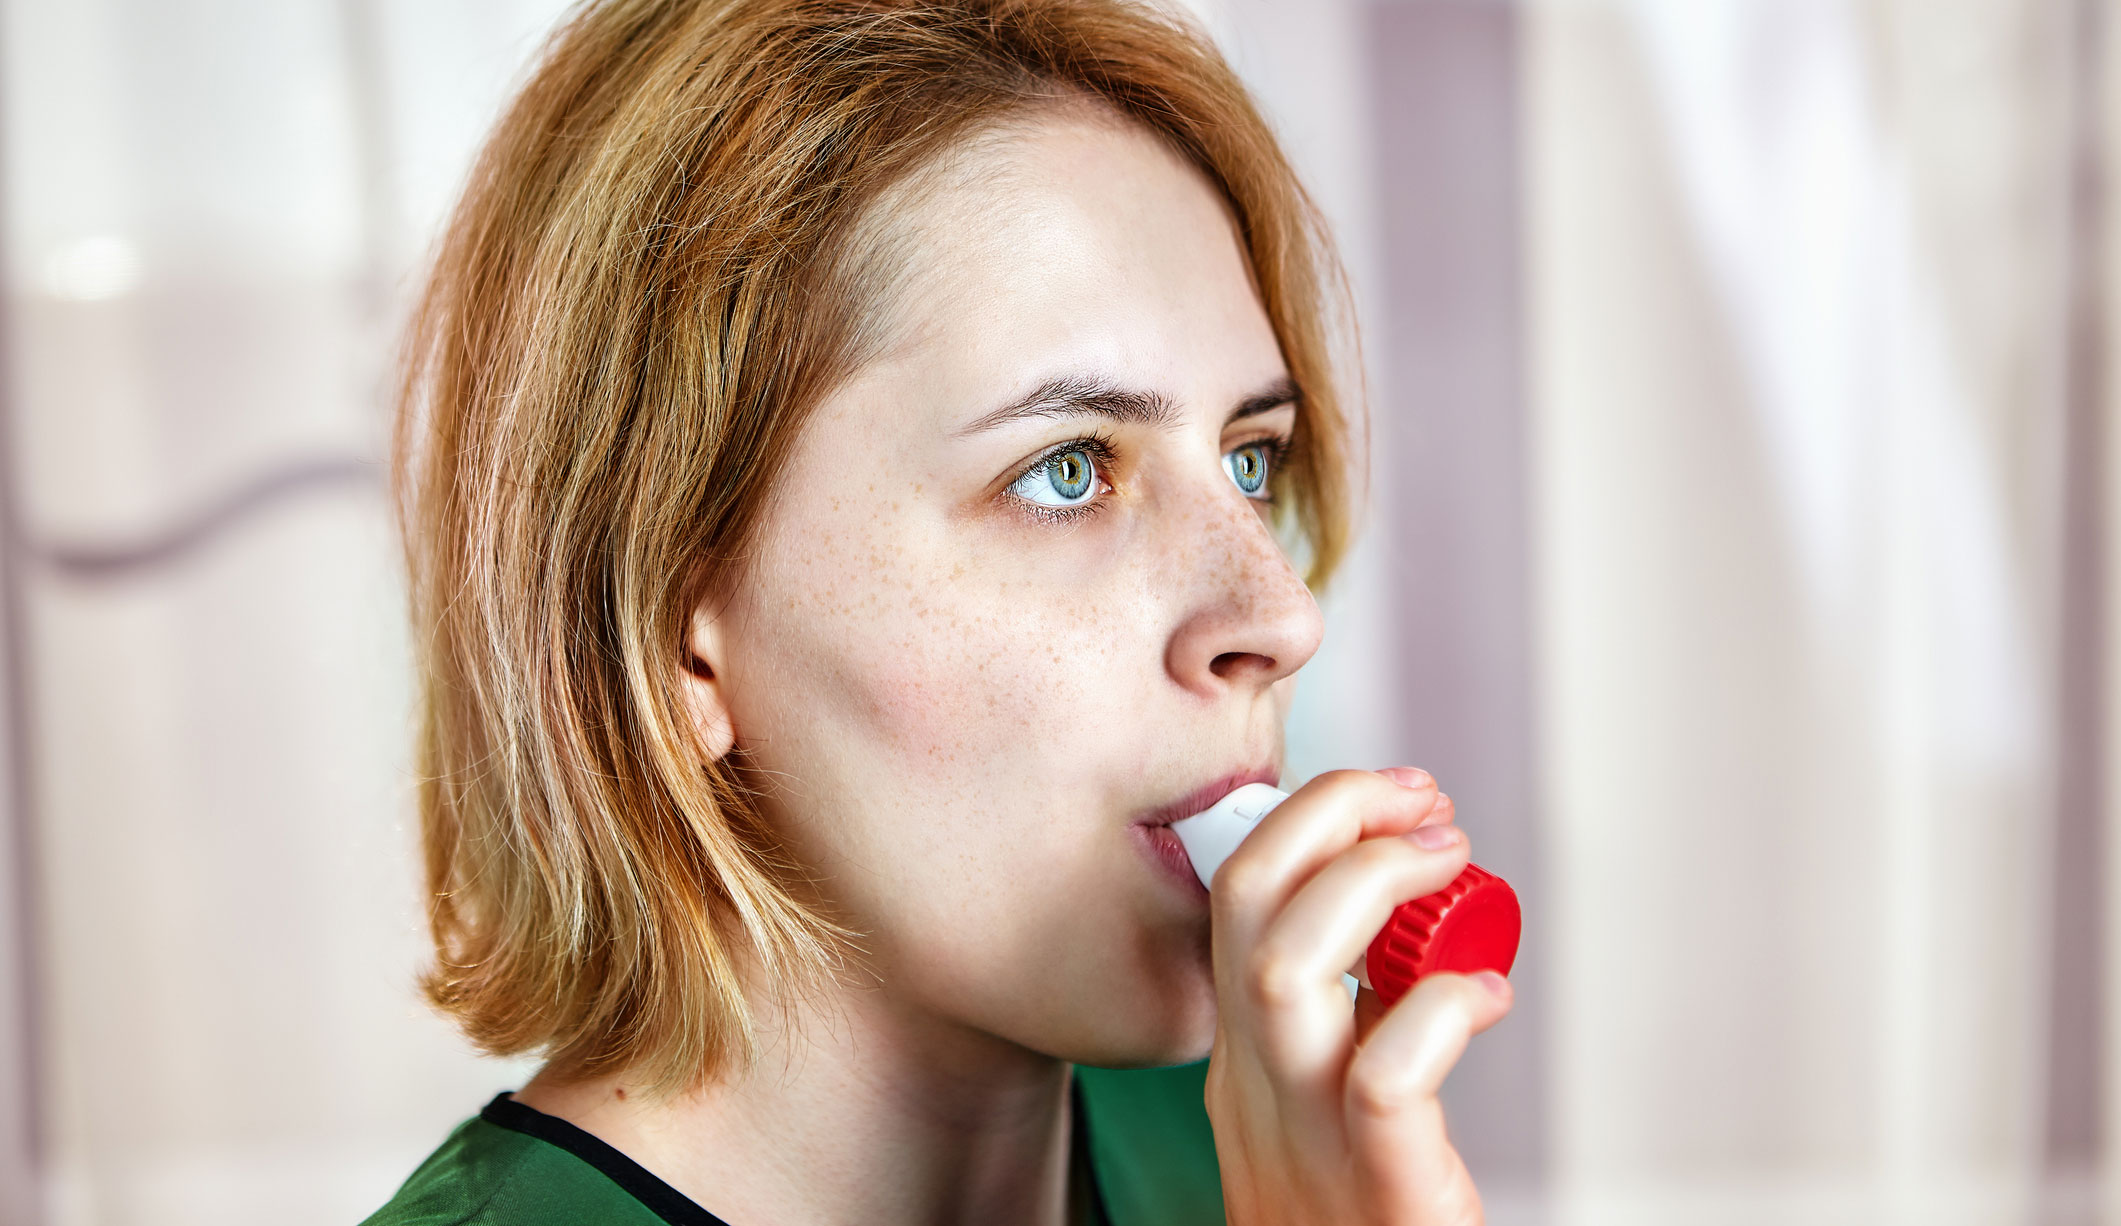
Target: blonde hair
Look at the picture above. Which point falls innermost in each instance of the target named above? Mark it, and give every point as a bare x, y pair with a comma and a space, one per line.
648, 283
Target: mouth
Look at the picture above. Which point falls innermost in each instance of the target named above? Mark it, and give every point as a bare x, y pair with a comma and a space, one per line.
1206, 795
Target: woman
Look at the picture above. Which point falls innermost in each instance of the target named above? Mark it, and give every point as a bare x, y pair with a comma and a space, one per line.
845, 457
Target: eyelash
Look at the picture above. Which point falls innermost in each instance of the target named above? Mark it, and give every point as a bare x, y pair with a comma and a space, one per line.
1098, 447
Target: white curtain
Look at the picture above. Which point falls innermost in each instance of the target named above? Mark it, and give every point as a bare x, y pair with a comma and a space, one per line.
211, 208
1801, 293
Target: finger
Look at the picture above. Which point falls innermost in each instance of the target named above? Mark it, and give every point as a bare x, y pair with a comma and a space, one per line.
1395, 1125
1414, 777
1370, 1009
1405, 776
1323, 930
1326, 816
1443, 814
1332, 919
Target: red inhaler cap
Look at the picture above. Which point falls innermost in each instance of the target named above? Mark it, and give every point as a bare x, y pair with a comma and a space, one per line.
1472, 924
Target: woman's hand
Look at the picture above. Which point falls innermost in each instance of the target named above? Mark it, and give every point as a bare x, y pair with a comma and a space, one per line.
1322, 1113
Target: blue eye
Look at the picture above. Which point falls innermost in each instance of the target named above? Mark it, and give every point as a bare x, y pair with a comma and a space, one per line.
1247, 465
1065, 483
1064, 478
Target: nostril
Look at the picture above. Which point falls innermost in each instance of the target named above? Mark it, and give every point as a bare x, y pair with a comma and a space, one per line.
1230, 661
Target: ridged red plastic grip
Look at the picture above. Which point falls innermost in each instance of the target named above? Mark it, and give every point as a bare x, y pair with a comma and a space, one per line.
1469, 925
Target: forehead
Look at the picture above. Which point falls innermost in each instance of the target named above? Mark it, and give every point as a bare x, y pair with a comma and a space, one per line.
1072, 241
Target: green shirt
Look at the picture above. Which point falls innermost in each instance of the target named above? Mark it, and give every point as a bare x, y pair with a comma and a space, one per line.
1152, 1161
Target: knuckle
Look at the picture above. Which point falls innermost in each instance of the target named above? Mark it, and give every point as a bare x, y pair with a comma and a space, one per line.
1389, 869
1344, 784
1273, 979
1375, 856
1379, 1093
1241, 883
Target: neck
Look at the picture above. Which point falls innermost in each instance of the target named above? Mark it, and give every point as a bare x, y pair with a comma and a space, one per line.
857, 1110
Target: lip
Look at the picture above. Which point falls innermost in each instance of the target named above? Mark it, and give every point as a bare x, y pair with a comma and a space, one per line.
1206, 794
1168, 856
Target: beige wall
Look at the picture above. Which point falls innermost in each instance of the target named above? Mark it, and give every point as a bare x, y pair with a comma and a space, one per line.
1798, 309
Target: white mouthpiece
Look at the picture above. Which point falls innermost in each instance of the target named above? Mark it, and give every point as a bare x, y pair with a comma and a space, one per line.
1210, 835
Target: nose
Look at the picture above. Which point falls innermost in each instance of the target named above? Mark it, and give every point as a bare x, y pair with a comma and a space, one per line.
1247, 620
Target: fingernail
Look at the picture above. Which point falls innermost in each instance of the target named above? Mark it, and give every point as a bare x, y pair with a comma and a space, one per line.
1435, 838
1494, 983
1408, 776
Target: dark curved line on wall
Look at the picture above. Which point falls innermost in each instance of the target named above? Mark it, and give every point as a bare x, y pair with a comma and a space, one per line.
104, 561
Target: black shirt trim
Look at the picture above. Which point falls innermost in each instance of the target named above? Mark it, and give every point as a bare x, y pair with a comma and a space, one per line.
678, 1209
661, 1199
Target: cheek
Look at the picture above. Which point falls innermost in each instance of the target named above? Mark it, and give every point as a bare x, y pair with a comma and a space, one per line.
957, 675
938, 719
904, 655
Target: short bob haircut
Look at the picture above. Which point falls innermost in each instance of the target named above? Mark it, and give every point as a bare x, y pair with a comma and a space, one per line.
663, 260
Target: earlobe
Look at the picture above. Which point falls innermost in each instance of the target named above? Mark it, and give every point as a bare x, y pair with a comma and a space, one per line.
703, 683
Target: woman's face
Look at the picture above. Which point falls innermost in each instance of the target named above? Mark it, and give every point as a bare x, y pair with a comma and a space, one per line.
968, 684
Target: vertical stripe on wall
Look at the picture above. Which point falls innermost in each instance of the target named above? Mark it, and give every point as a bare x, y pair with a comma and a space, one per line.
1449, 469
2073, 1125
21, 1095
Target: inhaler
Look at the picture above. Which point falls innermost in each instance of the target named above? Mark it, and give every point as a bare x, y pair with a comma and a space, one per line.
1469, 925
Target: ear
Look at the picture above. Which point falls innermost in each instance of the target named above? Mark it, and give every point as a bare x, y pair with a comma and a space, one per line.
703, 681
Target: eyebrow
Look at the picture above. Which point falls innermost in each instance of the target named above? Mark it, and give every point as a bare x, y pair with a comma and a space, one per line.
1088, 395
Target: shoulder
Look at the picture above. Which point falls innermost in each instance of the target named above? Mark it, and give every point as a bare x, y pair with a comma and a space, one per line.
1152, 1146
485, 1175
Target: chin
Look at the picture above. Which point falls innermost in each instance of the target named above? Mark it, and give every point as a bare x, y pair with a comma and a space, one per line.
1181, 1033
1161, 1051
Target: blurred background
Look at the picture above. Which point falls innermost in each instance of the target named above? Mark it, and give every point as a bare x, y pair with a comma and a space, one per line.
1743, 557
